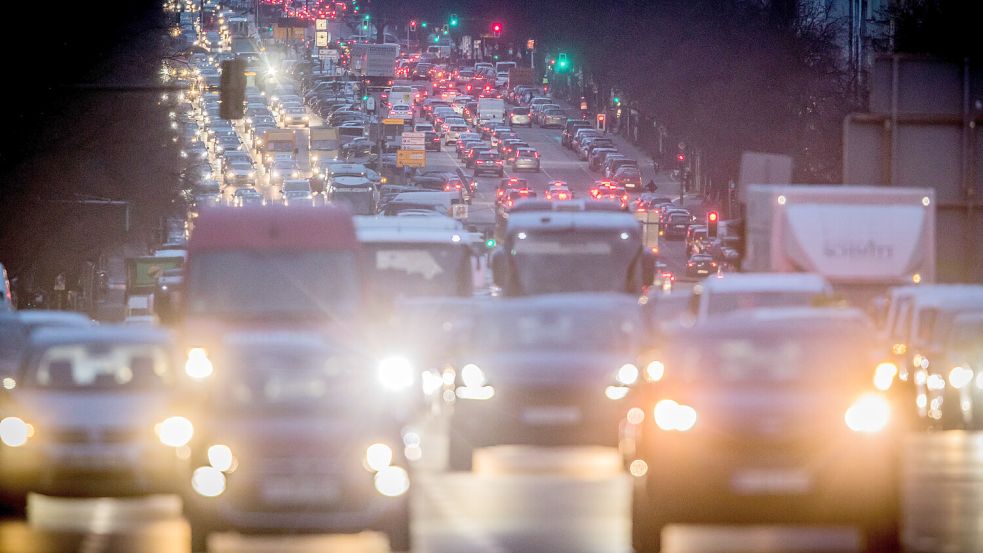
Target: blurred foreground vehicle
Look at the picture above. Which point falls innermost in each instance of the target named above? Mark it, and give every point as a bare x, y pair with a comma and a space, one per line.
784, 400
547, 371
299, 436
94, 411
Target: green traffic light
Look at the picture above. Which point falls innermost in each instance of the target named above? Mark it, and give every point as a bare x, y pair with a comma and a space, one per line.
490, 243
366, 97
423, 24
453, 21
436, 39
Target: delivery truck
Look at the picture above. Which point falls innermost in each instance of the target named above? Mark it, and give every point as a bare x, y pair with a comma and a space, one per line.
375, 63
862, 239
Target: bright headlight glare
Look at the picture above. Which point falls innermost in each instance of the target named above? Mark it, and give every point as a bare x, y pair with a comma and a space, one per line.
175, 431
378, 457
208, 482
396, 373
14, 432
627, 374
198, 366
392, 481
472, 376
869, 413
654, 371
220, 457
616, 392
959, 377
884, 375
672, 416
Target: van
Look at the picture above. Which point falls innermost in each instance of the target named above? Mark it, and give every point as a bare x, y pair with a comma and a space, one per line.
504, 66
730, 292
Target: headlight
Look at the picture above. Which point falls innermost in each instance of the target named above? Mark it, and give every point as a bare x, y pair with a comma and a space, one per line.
670, 415
378, 457
870, 413
396, 373
208, 482
14, 432
627, 374
655, 371
616, 392
198, 366
392, 481
884, 375
960, 377
220, 457
175, 431
472, 376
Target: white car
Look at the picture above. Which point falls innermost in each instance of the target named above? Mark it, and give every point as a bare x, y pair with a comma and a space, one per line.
401, 111
97, 400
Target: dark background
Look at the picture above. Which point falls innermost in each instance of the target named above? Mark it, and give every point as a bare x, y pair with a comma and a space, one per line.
63, 140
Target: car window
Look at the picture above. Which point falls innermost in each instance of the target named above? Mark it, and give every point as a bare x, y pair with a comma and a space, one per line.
101, 366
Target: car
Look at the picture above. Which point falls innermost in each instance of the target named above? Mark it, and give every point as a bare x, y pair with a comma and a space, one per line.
401, 111
508, 146
571, 126
246, 197
629, 177
560, 365
676, 223
239, 173
596, 158
488, 162
559, 192
796, 439
514, 195
526, 159
519, 117
472, 153
697, 238
507, 184
454, 131
589, 144
296, 116
130, 441
609, 191
282, 170
700, 264
282, 420
552, 118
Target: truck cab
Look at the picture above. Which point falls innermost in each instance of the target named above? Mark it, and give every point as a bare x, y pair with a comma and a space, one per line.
575, 246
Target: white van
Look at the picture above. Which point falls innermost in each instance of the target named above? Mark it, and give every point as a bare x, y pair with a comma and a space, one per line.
730, 292
504, 66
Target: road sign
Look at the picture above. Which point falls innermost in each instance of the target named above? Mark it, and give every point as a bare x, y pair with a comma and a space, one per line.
601, 121
321, 39
413, 141
327, 54
320, 24
411, 158
459, 211
530, 44
393, 121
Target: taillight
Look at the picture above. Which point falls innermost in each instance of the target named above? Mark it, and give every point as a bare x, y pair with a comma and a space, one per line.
536, 155
498, 162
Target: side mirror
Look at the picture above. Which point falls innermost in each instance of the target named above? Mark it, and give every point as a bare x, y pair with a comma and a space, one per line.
648, 267
499, 266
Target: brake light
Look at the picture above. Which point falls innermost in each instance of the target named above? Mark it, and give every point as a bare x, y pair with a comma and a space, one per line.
595, 193
562, 196
536, 155
457, 186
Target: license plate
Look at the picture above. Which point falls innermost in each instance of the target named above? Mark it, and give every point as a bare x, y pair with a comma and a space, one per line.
771, 481
551, 416
702, 272
680, 227
300, 490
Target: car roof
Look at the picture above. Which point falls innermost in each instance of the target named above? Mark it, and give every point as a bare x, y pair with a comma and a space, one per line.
99, 334
764, 282
563, 220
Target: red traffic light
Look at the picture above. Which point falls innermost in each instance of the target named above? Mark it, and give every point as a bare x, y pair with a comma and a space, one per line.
413, 24
713, 216
681, 157
496, 27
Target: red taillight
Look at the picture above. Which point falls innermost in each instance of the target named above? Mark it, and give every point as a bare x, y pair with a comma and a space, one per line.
457, 186
447, 187
498, 162
562, 196
536, 155
595, 193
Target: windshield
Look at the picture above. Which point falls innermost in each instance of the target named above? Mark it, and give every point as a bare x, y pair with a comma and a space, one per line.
258, 283
724, 302
359, 200
795, 357
280, 146
567, 329
281, 380
100, 367
574, 261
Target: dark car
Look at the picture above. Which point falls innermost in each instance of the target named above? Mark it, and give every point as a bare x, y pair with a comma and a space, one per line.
700, 265
747, 419
488, 162
546, 371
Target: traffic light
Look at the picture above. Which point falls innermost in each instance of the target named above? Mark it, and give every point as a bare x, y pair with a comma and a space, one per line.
680, 159
233, 90
712, 219
436, 39
413, 24
453, 21
496, 29
490, 243
423, 24
562, 62
617, 101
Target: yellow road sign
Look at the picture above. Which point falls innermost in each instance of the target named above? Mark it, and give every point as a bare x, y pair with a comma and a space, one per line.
393, 122
411, 158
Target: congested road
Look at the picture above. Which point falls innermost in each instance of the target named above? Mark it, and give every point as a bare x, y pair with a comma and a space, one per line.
544, 494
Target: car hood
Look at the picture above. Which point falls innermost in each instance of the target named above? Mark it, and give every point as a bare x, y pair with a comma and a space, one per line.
45, 409
550, 367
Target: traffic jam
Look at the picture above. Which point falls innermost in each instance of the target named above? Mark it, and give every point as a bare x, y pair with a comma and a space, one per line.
396, 262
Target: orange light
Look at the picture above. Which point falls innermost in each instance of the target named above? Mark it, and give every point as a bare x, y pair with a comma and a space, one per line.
712, 216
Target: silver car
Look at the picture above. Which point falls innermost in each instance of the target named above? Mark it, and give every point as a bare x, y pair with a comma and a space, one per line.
519, 117
526, 159
296, 116
100, 401
239, 174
